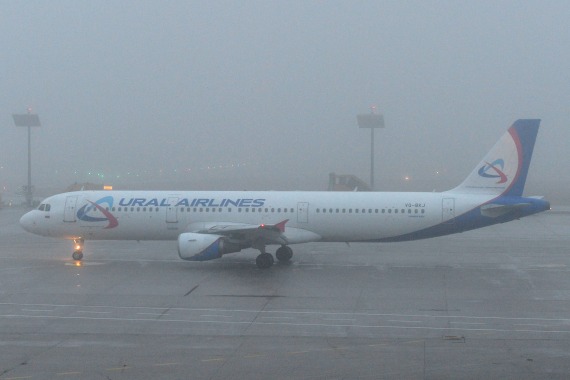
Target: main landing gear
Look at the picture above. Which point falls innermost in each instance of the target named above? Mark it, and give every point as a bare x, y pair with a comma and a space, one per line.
284, 253
78, 249
265, 260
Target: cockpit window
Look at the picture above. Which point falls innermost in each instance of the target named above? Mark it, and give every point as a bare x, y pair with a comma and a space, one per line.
44, 207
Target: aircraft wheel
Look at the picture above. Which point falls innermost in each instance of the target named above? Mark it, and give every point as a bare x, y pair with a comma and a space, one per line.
284, 253
264, 260
77, 255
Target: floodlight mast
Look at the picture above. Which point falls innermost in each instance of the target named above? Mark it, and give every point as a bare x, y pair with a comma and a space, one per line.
28, 120
371, 120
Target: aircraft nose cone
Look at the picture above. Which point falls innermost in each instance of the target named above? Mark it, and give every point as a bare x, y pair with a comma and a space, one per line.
27, 222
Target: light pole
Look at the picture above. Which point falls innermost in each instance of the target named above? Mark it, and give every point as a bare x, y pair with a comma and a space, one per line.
28, 120
371, 120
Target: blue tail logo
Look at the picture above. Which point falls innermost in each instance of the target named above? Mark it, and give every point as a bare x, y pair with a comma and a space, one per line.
497, 172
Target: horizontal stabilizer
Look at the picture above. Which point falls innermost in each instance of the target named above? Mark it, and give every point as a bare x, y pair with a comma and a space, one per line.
496, 210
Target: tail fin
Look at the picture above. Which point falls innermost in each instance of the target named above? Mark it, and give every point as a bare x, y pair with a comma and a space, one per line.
504, 169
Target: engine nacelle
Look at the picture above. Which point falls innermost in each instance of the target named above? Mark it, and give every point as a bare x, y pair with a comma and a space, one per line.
202, 247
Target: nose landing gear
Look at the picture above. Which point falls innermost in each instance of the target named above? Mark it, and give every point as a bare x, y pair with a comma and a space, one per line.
78, 249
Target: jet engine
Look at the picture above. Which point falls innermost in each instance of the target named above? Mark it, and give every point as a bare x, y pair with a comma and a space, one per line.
202, 247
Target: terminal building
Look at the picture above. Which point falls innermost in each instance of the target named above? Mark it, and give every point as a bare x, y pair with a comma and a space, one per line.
347, 182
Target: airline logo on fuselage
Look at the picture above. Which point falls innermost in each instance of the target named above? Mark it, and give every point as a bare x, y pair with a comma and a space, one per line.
494, 170
192, 202
95, 212
85, 212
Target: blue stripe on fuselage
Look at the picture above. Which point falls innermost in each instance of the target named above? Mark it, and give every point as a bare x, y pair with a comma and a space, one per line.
474, 219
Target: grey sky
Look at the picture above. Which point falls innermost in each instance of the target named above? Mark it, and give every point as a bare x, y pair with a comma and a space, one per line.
274, 86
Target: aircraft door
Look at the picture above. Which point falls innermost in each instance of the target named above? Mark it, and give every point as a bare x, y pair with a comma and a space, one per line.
303, 212
448, 210
69, 212
172, 210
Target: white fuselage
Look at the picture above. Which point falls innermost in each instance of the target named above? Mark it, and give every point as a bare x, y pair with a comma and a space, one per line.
311, 216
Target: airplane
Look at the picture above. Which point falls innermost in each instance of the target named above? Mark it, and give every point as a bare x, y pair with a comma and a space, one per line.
210, 224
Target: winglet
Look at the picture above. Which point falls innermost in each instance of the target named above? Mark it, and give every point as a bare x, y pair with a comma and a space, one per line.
279, 226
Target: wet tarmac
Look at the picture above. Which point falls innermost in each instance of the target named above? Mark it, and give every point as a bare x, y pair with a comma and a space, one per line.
492, 303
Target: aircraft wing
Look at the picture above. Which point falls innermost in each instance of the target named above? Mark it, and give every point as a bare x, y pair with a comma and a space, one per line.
268, 233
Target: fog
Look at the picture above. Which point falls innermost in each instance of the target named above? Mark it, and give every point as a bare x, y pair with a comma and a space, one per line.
264, 94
